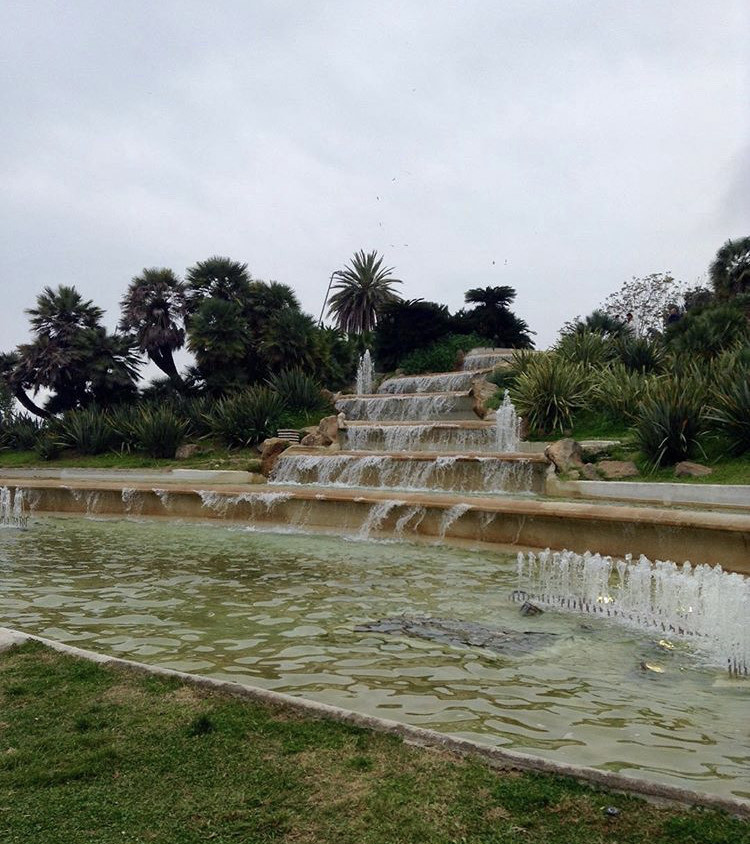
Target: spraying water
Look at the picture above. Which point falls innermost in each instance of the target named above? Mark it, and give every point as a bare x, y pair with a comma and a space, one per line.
507, 426
707, 606
12, 508
364, 374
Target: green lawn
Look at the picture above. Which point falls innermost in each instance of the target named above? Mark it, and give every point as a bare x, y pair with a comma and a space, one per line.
102, 755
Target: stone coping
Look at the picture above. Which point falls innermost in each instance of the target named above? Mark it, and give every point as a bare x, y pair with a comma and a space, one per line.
402, 396
505, 456
216, 476
495, 757
725, 496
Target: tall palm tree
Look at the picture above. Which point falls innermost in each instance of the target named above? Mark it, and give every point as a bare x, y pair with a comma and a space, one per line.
730, 270
492, 318
362, 289
217, 278
73, 355
154, 310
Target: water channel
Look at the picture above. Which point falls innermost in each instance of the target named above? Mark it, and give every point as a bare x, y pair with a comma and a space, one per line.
282, 611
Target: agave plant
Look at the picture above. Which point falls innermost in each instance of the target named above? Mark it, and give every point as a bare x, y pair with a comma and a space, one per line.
589, 348
670, 420
297, 389
158, 431
88, 431
617, 391
549, 391
729, 410
248, 417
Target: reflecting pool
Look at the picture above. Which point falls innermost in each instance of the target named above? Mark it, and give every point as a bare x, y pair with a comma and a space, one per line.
281, 611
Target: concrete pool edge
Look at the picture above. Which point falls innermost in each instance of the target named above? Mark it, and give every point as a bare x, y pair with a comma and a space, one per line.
495, 757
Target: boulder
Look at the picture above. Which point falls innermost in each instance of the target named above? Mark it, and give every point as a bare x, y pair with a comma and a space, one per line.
315, 440
565, 455
686, 469
588, 471
613, 470
481, 391
186, 451
596, 449
329, 428
270, 450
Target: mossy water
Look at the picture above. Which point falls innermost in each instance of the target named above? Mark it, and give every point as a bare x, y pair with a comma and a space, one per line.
282, 611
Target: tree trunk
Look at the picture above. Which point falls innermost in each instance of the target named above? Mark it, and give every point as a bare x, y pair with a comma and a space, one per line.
29, 404
162, 357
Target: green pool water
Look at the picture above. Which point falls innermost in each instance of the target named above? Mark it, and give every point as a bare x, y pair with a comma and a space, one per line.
280, 611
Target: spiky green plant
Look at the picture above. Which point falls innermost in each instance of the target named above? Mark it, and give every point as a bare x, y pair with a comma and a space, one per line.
248, 417
297, 389
158, 431
617, 391
670, 420
640, 354
549, 391
88, 431
361, 290
589, 348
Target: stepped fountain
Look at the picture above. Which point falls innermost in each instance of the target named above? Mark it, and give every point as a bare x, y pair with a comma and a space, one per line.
415, 460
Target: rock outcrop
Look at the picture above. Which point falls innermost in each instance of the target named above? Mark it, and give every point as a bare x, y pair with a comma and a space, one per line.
566, 455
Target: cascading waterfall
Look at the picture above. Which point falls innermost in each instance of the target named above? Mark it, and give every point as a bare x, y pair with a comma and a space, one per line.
427, 437
507, 426
364, 374
375, 518
375, 408
485, 360
706, 605
12, 508
440, 382
448, 472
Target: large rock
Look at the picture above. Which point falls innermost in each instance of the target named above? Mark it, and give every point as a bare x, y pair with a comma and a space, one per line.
686, 469
481, 391
270, 450
596, 449
613, 470
565, 454
329, 428
186, 451
315, 440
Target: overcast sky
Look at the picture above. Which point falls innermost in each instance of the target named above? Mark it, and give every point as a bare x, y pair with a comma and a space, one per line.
560, 147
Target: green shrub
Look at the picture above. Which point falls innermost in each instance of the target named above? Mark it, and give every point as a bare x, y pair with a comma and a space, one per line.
440, 356
20, 433
639, 354
670, 420
248, 417
158, 430
549, 391
730, 411
706, 333
589, 348
297, 389
48, 445
195, 410
88, 431
617, 391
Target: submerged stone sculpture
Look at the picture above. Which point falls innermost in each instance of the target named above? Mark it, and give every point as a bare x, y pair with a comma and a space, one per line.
449, 631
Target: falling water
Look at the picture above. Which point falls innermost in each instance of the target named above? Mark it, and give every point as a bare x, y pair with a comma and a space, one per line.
375, 518
446, 472
485, 359
399, 408
364, 374
416, 437
440, 382
706, 605
507, 426
12, 508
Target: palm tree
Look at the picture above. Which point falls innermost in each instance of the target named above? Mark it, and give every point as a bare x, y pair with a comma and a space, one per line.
217, 278
10, 374
219, 338
73, 355
61, 313
362, 289
730, 270
154, 309
492, 318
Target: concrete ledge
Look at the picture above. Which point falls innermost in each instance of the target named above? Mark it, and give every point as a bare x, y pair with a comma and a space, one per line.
430, 739
728, 496
156, 476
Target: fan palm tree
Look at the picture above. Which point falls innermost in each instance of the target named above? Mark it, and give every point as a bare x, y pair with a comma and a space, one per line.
730, 270
154, 309
217, 278
492, 318
73, 355
362, 289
